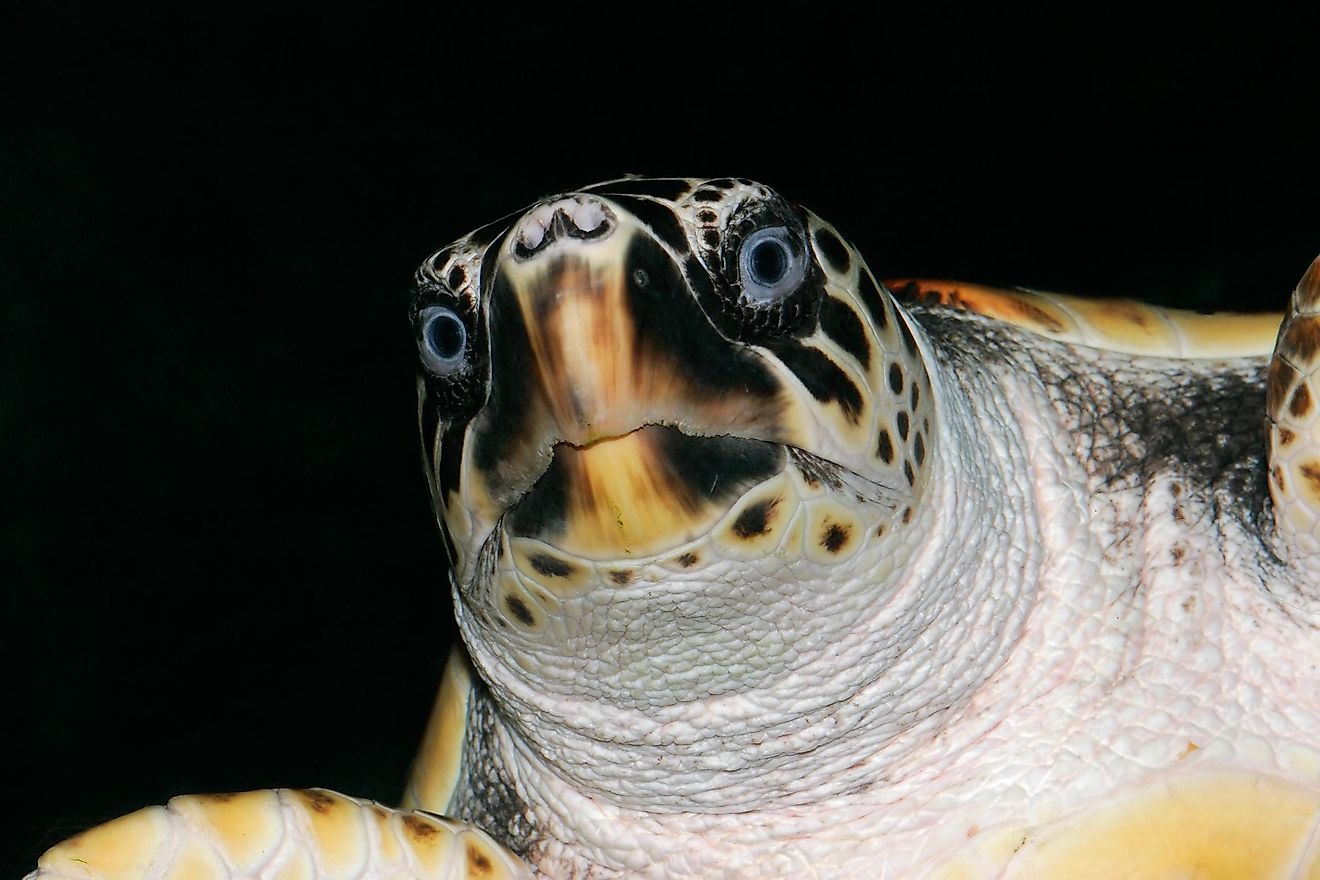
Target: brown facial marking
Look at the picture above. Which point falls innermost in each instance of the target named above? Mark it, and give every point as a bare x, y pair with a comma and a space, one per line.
907, 472
1300, 404
1189, 604
621, 576
1277, 471
896, 378
755, 520
1311, 473
904, 424
1178, 514
550, 566
834, 537
456, 278
907, 515
880, 530
919, 448
1286, 436
687, 560
222, 798
885, 448
1034, 314
1303, 338
317, 801
518, 608
1280, 379
479, 864
419, 828
1178, 553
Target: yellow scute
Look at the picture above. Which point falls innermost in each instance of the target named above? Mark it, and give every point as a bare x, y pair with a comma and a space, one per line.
1230, 826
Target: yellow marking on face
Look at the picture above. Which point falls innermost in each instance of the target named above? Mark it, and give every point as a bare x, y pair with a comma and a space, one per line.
122, 849
436, 767
1230, 826
622, 500
248, 826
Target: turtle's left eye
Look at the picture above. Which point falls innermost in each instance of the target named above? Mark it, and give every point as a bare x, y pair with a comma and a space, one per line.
442, 340
771, 264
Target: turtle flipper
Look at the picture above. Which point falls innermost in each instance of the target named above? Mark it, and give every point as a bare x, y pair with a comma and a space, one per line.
280, 834
1292, 412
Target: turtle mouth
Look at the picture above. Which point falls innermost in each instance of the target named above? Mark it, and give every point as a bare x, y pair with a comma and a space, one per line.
641, 492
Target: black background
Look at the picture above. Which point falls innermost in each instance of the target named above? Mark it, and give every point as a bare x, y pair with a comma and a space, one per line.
219, 567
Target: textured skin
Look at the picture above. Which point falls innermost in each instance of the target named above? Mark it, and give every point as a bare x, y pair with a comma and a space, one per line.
991, 585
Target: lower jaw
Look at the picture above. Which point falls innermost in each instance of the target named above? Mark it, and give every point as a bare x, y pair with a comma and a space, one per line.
642, 493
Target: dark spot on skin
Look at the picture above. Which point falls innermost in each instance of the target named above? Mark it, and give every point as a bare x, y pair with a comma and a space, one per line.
1286, 436
907, 472
896, 378
909, 341
1176, 490
1311, 473
880, 530
919, 448
707, 216
873, 300
822, 377
755, 520
834, 537
318, 801
456, 277
842, 325
1278, 478
1178, 514
418, 827
1178, 553
1280, 378
707, 195
1303, 338
621, 576
687, 560
904, 425
832, 249
518, 608
550, 566
1189, 604
1301, 401
916, 395
907, 515
1034, 314
221, 798
885, 448
478, 862
710, 238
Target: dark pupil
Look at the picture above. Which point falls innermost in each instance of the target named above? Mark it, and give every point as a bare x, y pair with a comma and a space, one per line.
769, 262
446, 336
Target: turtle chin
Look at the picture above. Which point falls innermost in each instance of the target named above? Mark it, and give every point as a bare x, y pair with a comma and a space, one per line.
640, 494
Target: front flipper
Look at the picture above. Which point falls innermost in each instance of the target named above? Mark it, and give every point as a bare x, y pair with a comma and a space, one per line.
278, 834
1292, 409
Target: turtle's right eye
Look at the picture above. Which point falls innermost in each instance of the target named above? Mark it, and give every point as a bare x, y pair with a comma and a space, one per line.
442, 341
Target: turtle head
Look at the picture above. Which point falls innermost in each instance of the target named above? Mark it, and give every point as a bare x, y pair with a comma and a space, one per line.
675, 434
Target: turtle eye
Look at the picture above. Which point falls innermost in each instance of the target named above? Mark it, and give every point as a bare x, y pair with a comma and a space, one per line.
443, 340
771, 264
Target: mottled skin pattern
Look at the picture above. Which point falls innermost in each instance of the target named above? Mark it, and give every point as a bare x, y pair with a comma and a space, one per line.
762, 574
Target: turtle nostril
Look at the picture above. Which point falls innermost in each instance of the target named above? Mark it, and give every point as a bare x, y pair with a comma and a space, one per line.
571, 217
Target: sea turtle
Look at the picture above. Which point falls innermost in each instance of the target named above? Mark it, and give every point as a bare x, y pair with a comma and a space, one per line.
761, 573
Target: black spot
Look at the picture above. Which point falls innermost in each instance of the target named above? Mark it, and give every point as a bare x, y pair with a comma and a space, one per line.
710, 238
456, 277
832, 249
706, 215
885, 448
873, 300
621, 576
907, 472
518, 608
834, 537
707, 195
903, 425
909, 342
916, 395
907, 515
668, 188
842, 325
550, 566
919, 448
822, 377
720, 183
1178, 553
661, 219
896, 378
755, 520
687, 560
